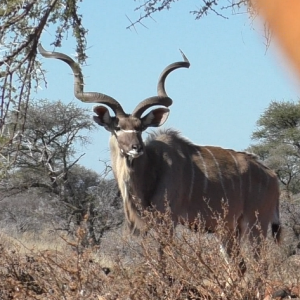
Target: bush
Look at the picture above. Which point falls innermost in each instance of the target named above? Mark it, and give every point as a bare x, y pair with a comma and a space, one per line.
162, 264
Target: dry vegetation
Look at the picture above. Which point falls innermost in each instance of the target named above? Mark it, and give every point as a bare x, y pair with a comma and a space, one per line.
159, 265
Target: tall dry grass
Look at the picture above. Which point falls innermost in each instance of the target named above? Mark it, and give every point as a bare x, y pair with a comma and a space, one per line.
165, 263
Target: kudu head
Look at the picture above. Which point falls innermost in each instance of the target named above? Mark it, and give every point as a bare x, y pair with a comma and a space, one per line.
127, 128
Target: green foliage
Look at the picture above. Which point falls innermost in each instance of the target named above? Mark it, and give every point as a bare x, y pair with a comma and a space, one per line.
50, 131
278, 136
44, 152
45, 161
280, 123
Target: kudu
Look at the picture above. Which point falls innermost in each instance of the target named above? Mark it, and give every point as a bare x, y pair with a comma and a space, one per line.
168, 168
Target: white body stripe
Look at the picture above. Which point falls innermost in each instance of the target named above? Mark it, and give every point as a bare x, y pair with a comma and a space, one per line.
205, 173
219, 172
237, 168
192, 180
250, 181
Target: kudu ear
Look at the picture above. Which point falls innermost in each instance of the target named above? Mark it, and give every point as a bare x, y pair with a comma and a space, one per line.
156, 117
103, 117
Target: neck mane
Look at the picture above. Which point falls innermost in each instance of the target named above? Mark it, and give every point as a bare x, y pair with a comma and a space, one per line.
129, 173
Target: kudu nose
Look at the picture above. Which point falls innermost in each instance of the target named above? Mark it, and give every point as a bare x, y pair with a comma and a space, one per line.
136, 147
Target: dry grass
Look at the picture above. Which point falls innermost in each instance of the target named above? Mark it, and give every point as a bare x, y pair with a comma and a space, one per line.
188, 266
31, 240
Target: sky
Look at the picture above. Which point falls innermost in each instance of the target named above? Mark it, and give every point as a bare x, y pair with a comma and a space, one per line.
232, 79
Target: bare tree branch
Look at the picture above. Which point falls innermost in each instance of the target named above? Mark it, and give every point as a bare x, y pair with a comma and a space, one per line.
21, 26
151, 7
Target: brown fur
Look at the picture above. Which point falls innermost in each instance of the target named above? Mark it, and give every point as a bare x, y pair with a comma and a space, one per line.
192, 179
195, 179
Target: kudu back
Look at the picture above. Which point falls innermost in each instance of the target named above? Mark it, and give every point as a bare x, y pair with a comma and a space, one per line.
194, 180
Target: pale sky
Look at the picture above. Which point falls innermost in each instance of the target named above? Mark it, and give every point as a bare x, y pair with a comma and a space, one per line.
217, 101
